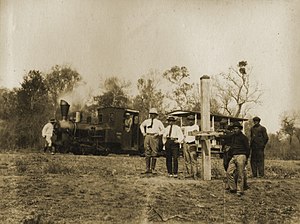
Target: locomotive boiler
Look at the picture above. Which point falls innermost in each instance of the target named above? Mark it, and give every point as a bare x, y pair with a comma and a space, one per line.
115, 130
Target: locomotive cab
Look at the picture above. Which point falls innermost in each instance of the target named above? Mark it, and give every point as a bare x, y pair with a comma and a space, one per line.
122, 129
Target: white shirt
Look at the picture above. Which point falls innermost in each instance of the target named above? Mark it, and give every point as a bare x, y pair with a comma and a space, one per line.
157, 127
188, 133
176, 133
47, 130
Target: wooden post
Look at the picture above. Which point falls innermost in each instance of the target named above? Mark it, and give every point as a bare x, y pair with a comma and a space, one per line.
205, 126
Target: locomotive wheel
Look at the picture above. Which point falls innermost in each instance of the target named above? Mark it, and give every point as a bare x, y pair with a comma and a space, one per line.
105, 152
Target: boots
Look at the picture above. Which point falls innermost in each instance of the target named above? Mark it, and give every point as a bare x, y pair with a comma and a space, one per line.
153, 164
52, 150
148, 170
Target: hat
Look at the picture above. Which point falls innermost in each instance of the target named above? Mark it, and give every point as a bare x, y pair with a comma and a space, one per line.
191, 117
170, 118
236, 124
52, 120
153, 111
256, 119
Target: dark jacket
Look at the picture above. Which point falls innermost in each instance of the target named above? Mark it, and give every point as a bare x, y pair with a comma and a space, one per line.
239, 145
259, 136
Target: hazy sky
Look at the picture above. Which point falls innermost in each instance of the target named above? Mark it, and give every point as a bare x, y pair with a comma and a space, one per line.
128, 38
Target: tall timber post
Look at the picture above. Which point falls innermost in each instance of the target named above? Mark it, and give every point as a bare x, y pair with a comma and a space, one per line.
205, 126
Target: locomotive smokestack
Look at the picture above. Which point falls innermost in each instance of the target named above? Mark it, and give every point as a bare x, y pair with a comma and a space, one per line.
64, 109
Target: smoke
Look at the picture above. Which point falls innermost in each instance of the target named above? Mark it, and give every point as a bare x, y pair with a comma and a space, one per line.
82, 95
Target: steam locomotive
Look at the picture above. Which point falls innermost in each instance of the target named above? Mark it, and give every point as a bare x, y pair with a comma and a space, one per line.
116, 130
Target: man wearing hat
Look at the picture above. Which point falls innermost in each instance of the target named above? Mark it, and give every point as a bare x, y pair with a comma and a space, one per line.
190, 148
47, 133
259, 139
151, 129
172, 137
239, 151
127, 122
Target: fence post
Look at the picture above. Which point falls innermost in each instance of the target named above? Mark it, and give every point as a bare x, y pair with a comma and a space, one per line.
205, 126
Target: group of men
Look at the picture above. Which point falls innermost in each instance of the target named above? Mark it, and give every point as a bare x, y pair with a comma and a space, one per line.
236, 152
236, 148
172, 137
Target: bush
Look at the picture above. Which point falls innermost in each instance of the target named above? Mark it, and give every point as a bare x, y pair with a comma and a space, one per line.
57, 168
21, 166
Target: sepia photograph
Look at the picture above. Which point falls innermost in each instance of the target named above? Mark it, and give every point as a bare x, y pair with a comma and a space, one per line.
149, 111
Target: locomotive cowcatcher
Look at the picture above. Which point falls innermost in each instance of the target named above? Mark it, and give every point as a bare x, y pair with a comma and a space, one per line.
115, 130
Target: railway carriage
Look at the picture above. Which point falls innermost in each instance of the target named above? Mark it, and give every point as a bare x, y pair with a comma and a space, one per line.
215, 124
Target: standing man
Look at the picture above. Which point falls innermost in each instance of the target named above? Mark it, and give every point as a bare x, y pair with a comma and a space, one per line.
190, 148
226, 140
127, 122
151, 129
258, 141
172, 137
239, 151
47, 133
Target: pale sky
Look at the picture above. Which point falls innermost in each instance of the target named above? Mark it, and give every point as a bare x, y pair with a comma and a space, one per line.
127, 38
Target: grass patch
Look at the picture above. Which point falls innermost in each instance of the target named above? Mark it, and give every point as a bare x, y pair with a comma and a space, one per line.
57, 168
21, 166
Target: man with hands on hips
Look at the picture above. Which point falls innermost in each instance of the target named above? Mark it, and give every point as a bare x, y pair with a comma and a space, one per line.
151, 129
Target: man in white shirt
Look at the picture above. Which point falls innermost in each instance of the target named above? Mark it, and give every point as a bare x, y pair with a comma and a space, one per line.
172, 137
190, 148
47, 133
151, 129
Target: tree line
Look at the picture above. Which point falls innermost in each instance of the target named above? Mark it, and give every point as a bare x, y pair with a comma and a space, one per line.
27, 108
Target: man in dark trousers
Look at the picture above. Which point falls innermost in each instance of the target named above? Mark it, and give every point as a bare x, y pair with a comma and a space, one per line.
239, 152
225, 141
172, 137
258, 141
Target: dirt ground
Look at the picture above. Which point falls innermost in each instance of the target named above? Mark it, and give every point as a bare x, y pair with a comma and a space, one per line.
63, 188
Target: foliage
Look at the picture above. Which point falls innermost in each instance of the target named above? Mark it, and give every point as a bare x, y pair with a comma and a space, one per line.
21, 165
288, 127
8, 101
61, 80
235, 92
25, 112
54, 167
181, 93
114, 93
33, 94
149, 95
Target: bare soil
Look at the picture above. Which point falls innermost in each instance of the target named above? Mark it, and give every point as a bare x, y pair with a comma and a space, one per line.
64, 188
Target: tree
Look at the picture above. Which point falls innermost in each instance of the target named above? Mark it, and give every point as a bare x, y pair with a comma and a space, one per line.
33, 94
8, 131
32, 108
149, 95
288, 125
182, 90
8, 102
114, 94
235, 92
61, 80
